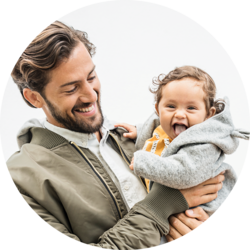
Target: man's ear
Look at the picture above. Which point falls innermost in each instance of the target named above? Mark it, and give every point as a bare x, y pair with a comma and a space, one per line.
156, 109
212, 112
33, 97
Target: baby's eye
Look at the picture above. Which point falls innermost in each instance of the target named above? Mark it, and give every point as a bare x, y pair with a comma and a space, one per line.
171, 106
191, 108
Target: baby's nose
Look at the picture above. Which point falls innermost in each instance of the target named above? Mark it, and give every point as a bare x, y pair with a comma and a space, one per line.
180, 114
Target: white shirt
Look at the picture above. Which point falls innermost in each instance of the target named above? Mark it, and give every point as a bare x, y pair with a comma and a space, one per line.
129, 185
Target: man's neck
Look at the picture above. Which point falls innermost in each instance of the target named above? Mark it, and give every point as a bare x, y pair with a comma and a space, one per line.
98, 136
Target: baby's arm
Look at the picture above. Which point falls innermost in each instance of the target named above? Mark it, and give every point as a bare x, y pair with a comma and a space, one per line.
190, 166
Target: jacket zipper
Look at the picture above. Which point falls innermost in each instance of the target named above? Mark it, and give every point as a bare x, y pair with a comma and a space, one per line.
99, 176
125, 158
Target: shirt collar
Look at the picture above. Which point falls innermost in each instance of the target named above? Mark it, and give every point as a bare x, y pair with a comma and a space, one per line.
81, 139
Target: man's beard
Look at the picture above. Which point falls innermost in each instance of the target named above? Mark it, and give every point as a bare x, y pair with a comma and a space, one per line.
76, 124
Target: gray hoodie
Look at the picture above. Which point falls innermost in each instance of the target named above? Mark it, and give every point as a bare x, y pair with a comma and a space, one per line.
193, 157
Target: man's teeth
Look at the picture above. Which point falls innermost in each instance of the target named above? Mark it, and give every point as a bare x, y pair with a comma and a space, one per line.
86, 109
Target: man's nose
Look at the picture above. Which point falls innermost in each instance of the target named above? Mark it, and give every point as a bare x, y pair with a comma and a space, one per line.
88, 94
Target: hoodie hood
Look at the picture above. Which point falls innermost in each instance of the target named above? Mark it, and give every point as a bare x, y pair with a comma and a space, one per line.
24, 134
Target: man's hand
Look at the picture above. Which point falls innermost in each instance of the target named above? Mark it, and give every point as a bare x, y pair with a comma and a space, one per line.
132, 130
183, 223
204, 192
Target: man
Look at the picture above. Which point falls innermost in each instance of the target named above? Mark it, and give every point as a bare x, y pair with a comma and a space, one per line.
73, 168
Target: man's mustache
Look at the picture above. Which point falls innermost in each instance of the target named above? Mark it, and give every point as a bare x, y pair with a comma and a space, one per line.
84, 104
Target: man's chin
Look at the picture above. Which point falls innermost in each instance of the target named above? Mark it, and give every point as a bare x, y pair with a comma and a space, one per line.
88, 125
76, 122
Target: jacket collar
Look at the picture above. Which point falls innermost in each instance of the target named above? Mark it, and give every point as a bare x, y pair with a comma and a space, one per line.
81, 139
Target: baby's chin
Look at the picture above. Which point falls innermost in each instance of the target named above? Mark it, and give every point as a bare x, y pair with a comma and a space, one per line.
170, 133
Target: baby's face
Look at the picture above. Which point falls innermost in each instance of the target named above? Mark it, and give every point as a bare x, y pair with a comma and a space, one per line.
181, 106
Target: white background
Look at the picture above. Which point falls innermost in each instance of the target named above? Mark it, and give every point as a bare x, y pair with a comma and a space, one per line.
136, 41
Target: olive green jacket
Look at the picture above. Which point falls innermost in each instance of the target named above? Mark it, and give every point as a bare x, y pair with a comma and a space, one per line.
68, 187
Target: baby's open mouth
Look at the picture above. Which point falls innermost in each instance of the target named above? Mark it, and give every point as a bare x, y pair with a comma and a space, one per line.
179, 128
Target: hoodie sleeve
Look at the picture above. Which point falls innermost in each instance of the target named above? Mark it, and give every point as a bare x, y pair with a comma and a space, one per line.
190, 166
228, 184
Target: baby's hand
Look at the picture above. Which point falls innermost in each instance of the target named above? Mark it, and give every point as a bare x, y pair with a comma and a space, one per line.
131, 166
132, 131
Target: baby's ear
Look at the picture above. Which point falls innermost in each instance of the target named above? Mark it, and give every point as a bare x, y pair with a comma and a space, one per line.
156, 109
212, 112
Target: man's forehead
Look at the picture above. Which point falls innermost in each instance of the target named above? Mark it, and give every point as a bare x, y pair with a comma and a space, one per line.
76, 67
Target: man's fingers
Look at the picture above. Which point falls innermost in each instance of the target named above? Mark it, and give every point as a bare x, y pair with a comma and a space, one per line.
182, 223
210, 189
169, 238
203, 192
209, 197
197, 213
174, 233
217, 179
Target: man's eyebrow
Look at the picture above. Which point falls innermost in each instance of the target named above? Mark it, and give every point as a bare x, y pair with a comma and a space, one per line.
71, 83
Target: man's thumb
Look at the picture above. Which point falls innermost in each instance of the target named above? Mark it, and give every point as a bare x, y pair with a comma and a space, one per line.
197, 213
190, 213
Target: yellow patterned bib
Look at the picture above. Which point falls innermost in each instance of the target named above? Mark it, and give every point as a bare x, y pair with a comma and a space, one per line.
157, 145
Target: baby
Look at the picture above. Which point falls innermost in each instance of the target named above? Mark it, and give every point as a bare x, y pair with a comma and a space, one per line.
194, 134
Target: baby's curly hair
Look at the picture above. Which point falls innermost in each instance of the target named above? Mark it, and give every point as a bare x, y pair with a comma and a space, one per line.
179, 73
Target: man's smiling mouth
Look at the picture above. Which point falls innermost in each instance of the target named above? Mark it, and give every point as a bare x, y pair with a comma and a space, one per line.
84, 110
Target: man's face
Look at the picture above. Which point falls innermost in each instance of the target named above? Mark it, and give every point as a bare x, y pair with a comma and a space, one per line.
72, 96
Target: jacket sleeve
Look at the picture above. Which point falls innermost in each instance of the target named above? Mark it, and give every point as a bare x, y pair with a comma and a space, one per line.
49, 218
141, 228
190, 166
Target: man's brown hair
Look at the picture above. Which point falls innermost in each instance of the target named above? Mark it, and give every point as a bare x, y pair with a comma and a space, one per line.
44, 53
179, 73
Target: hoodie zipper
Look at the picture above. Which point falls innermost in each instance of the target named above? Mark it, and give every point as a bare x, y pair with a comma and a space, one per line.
99, 176
125, 158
